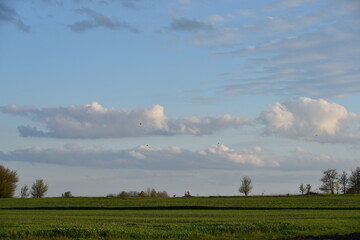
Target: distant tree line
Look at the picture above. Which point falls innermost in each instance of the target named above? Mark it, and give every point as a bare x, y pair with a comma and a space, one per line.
333, 182
150, 192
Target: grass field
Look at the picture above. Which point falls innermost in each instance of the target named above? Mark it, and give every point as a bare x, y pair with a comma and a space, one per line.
179, 218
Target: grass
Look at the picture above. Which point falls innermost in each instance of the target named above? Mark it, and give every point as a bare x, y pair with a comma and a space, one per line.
178, 218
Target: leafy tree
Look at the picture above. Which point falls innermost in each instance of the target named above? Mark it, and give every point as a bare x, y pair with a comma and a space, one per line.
8, 180
39, 188
153, 193
163, 194
66, 194
308, 189
343, 181
143, 194
328, 181
123, 194
302, 189
24, 191
355, 180
246, 186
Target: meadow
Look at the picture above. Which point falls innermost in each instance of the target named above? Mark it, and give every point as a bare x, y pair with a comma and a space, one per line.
263, 217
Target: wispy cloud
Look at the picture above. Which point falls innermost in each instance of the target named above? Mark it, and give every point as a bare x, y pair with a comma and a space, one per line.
99, 20
8, 14
302, 55
188, 25
95, 121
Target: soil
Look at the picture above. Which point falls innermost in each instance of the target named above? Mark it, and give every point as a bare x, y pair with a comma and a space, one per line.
351, 236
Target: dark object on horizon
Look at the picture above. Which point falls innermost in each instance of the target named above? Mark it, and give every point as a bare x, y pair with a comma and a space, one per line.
67, 194
187, 194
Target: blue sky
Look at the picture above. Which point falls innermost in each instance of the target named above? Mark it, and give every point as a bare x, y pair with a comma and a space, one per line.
101, 96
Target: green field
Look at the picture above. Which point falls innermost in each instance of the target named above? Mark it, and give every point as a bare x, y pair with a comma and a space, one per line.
268, 217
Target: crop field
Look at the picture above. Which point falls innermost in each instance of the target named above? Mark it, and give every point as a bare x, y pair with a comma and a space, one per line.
268, 217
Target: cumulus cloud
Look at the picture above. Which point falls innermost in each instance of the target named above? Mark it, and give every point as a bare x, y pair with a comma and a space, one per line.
95, 121
142, 157
311, 119
8, 14
99, 20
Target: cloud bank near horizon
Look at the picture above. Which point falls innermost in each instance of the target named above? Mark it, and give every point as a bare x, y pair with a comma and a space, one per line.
174, 158
144, 157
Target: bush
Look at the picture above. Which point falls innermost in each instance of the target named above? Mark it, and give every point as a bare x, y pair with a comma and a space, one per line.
123, 194
66, 194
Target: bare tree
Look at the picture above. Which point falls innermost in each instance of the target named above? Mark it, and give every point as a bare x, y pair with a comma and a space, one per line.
308, 189
302, 189
39, 188
343, 181
328, 180
355, 180
246, 186
24, 191
8, 180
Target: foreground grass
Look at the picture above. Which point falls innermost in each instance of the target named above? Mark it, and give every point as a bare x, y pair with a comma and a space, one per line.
178, 218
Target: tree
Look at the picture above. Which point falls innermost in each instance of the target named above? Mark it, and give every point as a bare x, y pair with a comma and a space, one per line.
328, 181
343, 181
302, 189
308, 189
8, 180
123, 194
66, 194
163, 194
354, 180
24, 191
143, 194
153, 193
245, 185
39, 188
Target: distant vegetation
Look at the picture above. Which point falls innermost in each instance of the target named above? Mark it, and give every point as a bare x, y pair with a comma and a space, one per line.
150, 192
332, 182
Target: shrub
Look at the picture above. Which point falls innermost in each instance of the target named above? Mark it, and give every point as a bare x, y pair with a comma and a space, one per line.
123, 194
66, 194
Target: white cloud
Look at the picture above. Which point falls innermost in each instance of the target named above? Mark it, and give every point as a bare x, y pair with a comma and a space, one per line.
95, 121
311, 119
142, 157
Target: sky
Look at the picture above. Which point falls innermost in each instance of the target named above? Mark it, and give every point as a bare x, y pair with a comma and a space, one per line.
104, 96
